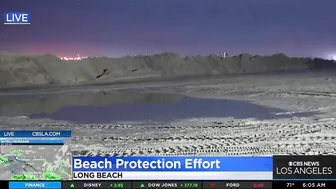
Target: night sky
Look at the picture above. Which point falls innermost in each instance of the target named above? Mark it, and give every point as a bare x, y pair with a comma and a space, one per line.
187, 27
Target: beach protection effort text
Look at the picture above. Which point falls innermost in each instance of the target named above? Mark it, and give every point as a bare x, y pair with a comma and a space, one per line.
189, 163
179, 163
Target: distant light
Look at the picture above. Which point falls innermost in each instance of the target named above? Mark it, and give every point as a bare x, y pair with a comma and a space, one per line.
73, 58
333, 57
330, 56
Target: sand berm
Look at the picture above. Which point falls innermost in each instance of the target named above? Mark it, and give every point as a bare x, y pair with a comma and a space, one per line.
21, 70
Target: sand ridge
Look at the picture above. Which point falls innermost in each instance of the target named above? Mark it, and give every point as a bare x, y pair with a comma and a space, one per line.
17, 70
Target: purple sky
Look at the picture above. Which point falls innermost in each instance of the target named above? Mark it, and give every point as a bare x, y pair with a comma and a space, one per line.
121, 27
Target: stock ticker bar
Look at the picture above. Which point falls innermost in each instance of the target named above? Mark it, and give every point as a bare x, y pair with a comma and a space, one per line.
165, 184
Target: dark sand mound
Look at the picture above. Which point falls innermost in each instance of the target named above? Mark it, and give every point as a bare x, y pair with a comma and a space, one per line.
21, 70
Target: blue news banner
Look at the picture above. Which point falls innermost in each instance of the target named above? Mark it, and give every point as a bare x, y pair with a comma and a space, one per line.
158, 163
172, 168
27, 137
35, 134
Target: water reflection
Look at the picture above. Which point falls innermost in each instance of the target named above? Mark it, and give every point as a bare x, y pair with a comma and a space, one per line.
104, 107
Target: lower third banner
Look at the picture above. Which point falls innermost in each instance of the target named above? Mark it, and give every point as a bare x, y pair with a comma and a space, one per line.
173, 168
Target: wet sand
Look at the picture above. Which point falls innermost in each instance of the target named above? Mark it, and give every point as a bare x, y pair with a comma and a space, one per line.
302, 122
